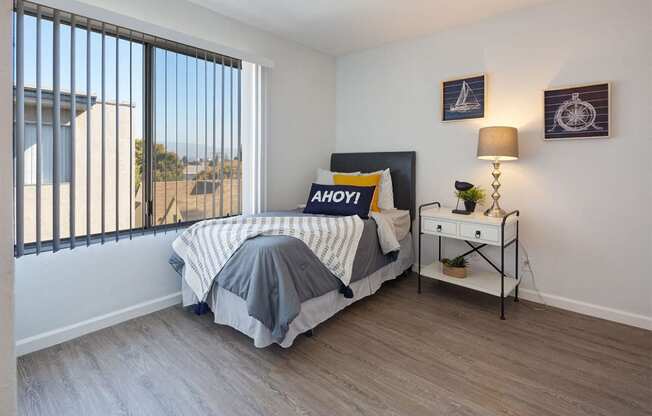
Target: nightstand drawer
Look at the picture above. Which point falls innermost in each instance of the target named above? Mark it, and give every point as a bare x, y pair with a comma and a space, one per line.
433, 226
480, 232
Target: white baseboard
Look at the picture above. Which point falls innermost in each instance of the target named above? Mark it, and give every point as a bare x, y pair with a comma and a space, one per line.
66, 333
616, 315
57, 336
584, 308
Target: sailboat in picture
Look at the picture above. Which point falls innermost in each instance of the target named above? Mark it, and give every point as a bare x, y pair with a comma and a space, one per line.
466, 100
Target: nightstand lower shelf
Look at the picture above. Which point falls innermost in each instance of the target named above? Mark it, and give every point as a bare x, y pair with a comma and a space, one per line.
479, 280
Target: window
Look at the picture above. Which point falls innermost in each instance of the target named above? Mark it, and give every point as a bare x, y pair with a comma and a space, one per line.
117, 132
197, 152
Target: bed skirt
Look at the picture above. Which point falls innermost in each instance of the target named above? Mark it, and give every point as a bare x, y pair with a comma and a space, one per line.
229, 309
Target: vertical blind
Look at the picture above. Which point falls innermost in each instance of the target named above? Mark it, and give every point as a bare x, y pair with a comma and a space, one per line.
118, 132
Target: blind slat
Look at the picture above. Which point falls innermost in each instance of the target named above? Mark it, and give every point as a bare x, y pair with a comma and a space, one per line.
152, 145
231, 144
196, 121
103, 158
187, 137
88, 136
56, 134
73, 128
205, 126
165, 136
214, 161
176, 135
131, 139
222, 147
117, 139
239, 174
20, 129
39, 130
143, 175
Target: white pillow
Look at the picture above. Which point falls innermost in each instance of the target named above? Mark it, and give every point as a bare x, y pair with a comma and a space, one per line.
386, 192
325, 177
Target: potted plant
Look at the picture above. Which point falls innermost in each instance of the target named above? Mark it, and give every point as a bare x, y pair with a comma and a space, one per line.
455, 267
471, 197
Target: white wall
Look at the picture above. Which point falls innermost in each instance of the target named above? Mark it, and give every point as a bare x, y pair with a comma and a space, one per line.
585, 204
7, 358
57, 292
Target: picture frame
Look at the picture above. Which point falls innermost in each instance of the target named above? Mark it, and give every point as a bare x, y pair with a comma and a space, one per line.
464, 98
577, 112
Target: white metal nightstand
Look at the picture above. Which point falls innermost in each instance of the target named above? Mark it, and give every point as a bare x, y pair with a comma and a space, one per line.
475, 228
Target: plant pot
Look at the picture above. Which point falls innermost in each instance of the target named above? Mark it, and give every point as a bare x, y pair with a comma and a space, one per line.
459, 272
470, 205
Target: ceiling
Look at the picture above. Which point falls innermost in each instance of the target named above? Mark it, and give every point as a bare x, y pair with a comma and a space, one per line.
337, 27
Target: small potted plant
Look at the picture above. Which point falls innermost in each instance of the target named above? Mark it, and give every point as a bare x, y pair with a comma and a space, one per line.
455, 267
471, 197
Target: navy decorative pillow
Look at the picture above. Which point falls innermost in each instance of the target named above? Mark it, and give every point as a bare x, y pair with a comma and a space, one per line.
340, 200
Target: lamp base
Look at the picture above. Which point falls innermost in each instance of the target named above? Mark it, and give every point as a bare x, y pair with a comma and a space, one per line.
495, 212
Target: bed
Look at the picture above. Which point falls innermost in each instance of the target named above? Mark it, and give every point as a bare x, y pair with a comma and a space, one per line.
273, 288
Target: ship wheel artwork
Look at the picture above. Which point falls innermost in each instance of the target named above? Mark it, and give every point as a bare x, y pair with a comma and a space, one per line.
575, 115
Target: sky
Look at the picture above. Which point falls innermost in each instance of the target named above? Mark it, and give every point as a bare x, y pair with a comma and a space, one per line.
189, 94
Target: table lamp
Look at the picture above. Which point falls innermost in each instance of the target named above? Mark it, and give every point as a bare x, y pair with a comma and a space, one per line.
497, 144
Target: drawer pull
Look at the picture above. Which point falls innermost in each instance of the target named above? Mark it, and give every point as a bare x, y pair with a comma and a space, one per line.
438, 228
477, 233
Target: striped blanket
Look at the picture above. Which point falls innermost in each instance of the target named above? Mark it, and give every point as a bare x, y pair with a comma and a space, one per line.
206, 246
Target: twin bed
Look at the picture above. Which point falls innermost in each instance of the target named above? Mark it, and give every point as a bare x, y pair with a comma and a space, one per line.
274, 287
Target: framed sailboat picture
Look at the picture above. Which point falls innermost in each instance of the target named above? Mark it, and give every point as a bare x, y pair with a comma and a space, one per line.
577, 112
463, 98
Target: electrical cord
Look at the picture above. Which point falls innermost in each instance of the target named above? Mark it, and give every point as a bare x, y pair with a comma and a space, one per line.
529, 269
528, 264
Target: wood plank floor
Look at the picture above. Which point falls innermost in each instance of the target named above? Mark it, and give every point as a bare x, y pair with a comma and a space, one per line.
444, 352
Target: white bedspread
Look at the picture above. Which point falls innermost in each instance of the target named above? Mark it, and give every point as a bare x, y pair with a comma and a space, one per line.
206, 246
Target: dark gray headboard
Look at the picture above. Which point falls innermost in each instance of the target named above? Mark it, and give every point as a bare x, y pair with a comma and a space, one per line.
401, 164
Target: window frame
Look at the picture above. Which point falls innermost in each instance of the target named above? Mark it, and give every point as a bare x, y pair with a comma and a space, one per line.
149, 43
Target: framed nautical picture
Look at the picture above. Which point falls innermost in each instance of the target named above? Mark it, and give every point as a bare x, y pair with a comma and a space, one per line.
577, 112
463, 98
